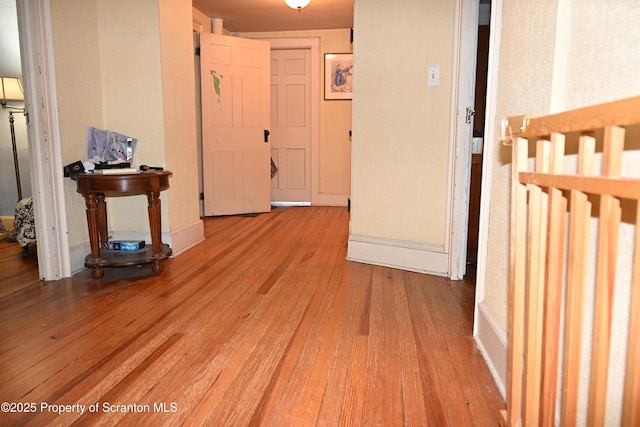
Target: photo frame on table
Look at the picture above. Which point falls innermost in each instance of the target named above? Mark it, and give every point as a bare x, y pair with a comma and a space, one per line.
338, 76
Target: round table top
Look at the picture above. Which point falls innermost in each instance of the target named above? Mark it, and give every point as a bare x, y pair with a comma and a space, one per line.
137, 182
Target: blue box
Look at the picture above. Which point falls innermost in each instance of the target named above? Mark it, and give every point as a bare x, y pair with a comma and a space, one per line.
125, 245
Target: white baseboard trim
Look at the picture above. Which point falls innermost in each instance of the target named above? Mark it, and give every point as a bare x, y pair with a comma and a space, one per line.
288, 204
187, 237
411, 256
330, 200
77, 255
491, 338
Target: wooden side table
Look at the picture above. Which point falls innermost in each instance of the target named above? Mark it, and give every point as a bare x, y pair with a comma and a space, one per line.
95, 188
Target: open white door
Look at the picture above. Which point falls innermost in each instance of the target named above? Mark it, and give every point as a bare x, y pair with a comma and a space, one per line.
235, 122
463, 102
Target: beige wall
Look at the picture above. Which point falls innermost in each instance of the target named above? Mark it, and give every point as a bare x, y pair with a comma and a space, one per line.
79, 87
556, 56
130, 69
568, 55
524, 85
401, 125
335, 116
117, 64
179, 111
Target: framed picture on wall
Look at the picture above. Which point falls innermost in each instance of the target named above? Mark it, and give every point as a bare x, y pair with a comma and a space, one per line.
338, 76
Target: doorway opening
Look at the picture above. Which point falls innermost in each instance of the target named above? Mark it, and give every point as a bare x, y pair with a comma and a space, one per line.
15, 170
482, 63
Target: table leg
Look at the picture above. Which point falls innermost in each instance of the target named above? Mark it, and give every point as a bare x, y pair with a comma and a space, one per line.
102, 220
155, 226
94, 237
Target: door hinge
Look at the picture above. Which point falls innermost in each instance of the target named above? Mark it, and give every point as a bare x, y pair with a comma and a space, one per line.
470, 113
266, 135
201, 196
197, 51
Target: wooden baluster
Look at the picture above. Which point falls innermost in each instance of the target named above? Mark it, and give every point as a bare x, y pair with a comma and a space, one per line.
631, 402
576, 284
517, 282
609, 219
553, 285
537, 231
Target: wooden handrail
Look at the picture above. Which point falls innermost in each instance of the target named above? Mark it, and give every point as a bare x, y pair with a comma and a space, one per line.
619, 113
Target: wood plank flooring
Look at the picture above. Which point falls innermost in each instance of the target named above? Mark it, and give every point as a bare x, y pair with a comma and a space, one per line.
16, 272
264, 323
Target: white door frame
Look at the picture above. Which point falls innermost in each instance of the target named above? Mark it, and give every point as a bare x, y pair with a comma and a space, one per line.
462, 96
487, 161
45, 159
312, 43
488, 333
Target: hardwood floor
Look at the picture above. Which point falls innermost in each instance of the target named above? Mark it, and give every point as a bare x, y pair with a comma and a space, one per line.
17, 272
264, 323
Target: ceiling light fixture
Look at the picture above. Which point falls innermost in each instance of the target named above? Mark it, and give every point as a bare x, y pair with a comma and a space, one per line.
297, 4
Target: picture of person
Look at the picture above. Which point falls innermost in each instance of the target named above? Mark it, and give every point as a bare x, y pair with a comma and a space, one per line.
342, 77
338, 77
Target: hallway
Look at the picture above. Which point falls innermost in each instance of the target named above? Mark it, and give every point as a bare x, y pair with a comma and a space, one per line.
264, 323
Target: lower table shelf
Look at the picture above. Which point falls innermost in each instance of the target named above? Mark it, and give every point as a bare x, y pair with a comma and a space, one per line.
127, 258
94, 188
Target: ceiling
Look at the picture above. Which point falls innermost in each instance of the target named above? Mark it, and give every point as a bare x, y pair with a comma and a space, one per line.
237, 16
274, 15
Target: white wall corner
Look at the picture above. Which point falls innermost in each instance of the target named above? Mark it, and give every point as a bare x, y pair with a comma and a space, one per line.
186, 237
77, 254
404, 255
491, 339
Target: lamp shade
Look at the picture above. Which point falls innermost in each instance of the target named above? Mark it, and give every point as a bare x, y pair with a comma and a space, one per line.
11, 89
297, 4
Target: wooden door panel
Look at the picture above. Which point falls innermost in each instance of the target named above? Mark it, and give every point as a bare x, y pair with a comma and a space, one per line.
274, 100
291, 125
222, 166
235, 114
297, 173
244, 192
251, 103
296, 100
221, 113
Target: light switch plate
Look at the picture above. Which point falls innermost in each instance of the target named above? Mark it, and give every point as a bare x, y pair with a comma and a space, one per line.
434, 76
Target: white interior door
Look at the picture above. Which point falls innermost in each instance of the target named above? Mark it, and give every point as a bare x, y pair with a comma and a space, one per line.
291, 126
236, 164
463, 98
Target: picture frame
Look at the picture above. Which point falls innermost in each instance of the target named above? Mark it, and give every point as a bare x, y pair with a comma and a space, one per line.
338, 76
